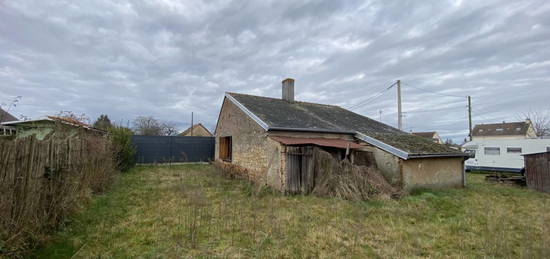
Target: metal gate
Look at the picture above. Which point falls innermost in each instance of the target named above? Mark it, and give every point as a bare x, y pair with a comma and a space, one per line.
168, 149
300, 170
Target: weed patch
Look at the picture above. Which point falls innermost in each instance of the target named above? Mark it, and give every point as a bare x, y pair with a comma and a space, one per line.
193, 211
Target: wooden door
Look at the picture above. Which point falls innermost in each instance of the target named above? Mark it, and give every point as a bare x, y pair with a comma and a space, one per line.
300, 175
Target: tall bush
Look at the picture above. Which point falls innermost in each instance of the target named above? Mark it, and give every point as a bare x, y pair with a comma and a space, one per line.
124, 150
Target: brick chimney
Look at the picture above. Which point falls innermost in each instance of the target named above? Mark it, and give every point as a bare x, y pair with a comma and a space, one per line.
288, 90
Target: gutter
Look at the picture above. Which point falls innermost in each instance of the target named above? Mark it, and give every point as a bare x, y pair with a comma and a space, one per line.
436, 155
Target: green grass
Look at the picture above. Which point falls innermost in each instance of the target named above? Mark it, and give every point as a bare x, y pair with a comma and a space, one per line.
192, 211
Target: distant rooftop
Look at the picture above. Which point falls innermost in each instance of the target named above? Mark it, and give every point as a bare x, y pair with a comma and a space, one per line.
427, 134
5, 116
501, 129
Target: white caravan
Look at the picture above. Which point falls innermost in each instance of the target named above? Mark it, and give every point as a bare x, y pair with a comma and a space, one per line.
503, 155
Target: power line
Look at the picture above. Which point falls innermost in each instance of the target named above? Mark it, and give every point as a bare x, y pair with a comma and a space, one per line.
436, 110
477, 113
376, 95
433, 92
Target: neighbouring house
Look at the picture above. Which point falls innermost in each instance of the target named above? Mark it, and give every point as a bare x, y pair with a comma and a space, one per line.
5, 116
268, 139
432, 135
197, 130
504, 130
6, 131
40, 128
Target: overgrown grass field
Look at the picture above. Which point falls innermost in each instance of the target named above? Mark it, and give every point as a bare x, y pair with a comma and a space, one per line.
193, 211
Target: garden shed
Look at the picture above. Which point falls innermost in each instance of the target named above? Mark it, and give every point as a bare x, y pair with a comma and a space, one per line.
537, 171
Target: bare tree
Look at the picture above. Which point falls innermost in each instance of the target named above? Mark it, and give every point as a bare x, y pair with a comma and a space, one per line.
169, 128
540, 120
147, 126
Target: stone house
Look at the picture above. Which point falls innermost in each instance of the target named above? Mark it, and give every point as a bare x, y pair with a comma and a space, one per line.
268, 139
504, 130
197, 130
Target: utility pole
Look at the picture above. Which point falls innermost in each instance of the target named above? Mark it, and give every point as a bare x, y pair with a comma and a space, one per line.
470, 116
191, 124
399, 115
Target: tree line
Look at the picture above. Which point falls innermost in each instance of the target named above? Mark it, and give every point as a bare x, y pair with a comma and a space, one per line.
142, 125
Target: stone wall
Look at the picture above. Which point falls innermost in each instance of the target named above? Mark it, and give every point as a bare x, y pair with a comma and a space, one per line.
251, 149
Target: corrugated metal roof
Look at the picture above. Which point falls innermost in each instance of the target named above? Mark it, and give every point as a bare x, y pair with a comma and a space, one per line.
69, 120
63, 120
338, 143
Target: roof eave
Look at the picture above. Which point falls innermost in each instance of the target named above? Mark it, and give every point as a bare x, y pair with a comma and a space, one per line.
379, 144
311, 130
412, 156
250, 114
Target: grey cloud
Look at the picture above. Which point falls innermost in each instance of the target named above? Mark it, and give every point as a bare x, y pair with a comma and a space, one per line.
168, 58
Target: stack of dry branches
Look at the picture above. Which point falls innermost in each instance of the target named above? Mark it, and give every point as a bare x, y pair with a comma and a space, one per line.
341, 179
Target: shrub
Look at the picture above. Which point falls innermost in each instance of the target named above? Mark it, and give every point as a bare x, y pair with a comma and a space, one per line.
124, 150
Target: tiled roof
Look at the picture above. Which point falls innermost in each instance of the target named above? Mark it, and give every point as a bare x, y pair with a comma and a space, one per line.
195, 127
501, 129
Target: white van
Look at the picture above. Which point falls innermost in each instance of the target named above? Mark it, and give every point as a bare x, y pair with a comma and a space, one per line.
504, 155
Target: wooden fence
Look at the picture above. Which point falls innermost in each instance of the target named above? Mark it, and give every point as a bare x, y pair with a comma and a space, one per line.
537, 171
43, 181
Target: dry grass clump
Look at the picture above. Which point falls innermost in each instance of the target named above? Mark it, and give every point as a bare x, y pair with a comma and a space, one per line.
341, 179
42, 181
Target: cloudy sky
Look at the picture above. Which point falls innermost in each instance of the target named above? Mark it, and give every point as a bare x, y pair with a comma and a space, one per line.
168, 58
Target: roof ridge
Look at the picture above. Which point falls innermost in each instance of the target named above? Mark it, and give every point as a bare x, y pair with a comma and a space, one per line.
273, 98
499, 123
